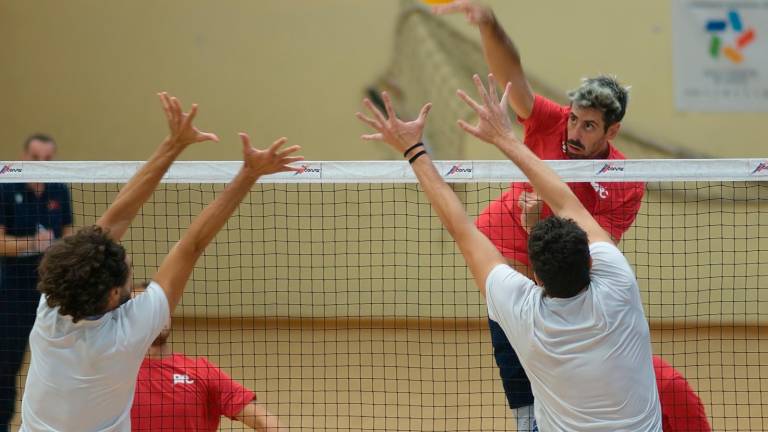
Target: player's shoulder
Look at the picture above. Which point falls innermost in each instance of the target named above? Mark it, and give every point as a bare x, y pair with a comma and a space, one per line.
547, 110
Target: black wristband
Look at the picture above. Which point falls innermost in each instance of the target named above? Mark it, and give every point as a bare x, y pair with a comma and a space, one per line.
416, 156
410, 149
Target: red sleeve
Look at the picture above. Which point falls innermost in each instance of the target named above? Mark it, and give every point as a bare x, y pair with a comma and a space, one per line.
617, 211
680, 405
546, 118
228, 396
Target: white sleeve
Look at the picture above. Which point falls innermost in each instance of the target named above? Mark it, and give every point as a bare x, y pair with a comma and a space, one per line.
143, 318
612, 270
507, 294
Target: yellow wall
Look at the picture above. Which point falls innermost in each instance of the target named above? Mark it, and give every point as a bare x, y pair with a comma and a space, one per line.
86, 71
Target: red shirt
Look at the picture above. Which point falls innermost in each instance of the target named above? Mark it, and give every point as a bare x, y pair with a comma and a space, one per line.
180, 393
613, 205
681, 408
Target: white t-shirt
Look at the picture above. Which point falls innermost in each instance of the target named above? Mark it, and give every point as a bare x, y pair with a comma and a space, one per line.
588, 357
82, 375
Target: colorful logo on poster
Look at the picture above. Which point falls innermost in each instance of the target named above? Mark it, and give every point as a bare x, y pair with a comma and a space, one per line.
718, 28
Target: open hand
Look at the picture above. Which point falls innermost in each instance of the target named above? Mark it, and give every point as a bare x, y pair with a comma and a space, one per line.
494, 125
530, 209
182, 131
398, 134
269, 161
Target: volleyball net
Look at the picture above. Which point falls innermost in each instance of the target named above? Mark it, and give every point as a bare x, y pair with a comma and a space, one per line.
337, 296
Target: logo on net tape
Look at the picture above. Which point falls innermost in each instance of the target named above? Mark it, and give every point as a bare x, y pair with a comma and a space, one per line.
760, 169
309, 171
9, 170
610, 168
459, 171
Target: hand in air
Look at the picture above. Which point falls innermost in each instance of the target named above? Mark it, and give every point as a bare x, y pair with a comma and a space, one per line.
475, 13
530, 209
182, 131
269, 161
398, 134
494, 125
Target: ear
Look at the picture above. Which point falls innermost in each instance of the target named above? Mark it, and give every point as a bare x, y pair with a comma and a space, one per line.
613, 131
114, 299
537, 280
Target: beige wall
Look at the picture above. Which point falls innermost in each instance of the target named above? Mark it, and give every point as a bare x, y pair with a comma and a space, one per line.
86, 71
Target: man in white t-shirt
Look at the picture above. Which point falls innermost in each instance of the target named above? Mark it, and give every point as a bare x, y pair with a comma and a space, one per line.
579, 330
89, 337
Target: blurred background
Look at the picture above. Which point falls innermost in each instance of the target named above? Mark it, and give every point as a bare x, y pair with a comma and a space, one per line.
87, 72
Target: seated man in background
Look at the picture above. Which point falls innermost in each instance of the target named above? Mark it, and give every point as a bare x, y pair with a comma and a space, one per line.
178, 393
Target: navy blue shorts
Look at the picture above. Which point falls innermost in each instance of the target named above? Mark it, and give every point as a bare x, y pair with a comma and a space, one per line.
517, 387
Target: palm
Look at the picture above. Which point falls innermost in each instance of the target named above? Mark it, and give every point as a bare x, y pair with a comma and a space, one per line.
390, 129
402, 133
271, 160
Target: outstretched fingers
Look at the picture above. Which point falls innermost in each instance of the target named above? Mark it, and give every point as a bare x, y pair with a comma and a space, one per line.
166, 106
481, 90
372, 137
246, 140
505, 97
369, 121
375, 111
492, 89
276, 145
424, 112
469, 101
468, 128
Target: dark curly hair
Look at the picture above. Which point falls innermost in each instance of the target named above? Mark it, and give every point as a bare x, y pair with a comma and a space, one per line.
78, 272
559, 253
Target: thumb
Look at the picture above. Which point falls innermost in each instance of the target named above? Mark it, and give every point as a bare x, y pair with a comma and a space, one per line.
246, 140
425, 111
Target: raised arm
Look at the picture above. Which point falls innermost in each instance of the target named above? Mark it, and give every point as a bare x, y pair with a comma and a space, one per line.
481, 255
502, 56
140, 187
175, 269
495, 127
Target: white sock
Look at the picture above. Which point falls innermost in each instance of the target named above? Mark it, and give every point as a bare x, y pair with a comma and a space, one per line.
526, 422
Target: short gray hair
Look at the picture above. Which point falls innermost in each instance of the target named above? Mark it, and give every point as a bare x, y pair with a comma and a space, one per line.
604, 93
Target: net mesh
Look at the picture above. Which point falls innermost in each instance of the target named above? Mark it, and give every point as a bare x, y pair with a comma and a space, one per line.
346, 306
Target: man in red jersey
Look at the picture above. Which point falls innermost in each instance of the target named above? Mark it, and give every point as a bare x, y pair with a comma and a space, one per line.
581, 130
179, 393
681, 408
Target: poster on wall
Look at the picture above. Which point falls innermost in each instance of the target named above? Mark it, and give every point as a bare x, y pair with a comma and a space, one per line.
720, 50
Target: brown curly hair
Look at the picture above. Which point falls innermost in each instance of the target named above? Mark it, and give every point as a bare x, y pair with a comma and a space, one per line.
78, 272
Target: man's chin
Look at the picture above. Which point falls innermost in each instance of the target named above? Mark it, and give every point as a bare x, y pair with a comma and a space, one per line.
576, 155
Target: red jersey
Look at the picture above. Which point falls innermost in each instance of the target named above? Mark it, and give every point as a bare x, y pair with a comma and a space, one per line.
681, 408
180, 393
613, 205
